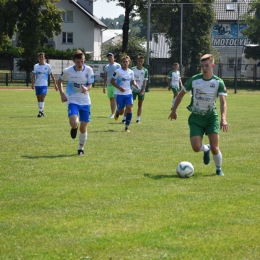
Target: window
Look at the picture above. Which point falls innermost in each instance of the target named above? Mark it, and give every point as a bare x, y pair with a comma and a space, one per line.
67, 37
230, 7
67, 16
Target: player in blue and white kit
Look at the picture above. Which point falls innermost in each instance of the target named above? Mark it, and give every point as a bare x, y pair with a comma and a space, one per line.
107, 87
205, 88
122, 79
80, 78
40, 75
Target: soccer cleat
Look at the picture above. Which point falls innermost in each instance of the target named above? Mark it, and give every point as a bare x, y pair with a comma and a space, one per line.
80, 152
40, 114
206, 156
138, 121
123, 121
127, 130
111, 116
116, 115
73, 132
219, 172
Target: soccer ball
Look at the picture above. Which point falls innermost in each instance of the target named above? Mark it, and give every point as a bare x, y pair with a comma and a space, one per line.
185, 169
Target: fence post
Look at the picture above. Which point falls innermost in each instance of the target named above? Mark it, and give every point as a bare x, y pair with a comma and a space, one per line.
6, 79
27, 79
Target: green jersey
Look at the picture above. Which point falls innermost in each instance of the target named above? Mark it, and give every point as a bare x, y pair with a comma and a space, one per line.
140, 76
204, 93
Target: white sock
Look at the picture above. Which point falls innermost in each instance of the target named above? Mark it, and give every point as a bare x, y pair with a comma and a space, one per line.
40, 106
204, 148
138, 118
124, 118
218, 160
82, 140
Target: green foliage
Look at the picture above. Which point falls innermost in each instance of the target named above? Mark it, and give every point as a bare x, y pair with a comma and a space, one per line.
123, 199
252, 19
36, 21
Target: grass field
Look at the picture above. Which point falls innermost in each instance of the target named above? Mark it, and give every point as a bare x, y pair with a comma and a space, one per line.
123, 199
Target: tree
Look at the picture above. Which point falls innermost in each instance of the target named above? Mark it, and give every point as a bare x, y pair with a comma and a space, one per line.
35, 21
252, 19
129, 6
197, 24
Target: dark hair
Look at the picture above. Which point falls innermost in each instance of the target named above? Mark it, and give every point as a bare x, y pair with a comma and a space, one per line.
78, 55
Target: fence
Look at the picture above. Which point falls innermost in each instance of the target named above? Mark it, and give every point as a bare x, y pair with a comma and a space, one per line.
248, 76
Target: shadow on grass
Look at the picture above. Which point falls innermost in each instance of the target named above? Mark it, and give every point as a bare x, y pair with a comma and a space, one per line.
49, 156
104, 131
161, 176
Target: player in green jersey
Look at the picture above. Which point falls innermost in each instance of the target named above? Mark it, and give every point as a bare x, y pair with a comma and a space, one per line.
205, 88
174, 82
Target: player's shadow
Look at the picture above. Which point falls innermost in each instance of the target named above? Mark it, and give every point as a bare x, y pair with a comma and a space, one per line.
105, 131
49, 156
160, 176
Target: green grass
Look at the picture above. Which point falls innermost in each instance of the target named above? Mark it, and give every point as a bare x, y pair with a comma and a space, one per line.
123, 199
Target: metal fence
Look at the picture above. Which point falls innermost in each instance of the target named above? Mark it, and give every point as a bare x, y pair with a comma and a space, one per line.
248, 76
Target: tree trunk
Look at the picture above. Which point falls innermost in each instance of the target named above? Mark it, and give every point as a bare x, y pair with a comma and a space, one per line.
125, 30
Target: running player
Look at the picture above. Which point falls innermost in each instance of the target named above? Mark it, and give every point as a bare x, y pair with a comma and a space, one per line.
122, 80
80, 78
40, 75
205, 87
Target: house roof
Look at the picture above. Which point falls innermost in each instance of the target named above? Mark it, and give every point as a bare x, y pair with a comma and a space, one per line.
220, 8
91, 16
111, 33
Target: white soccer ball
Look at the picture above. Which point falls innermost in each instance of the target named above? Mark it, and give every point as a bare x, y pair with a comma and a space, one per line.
185, 169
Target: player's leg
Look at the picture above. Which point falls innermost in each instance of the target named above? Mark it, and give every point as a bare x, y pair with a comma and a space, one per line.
112, 100
41, 92
213, 135
129, 111
120, 106
175, 94
73, 111
84, 117
197, 130
140, 107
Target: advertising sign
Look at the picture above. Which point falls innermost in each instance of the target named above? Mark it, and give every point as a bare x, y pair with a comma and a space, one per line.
225, 35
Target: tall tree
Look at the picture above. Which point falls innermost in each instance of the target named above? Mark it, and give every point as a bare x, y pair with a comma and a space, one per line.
197, 23
34, 21
129, 6
252, 19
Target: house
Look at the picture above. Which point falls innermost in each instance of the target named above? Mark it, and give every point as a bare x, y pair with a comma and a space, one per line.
227, 39
80, 28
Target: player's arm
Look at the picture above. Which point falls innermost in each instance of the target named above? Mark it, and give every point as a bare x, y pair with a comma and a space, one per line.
33, 80
54, 81
113, 82
181, 85
133, 82
143, 87
173, 114
223, 113
169, 83
105, 82
62, 94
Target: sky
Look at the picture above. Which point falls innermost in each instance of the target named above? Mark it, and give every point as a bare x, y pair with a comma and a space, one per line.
107, 10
